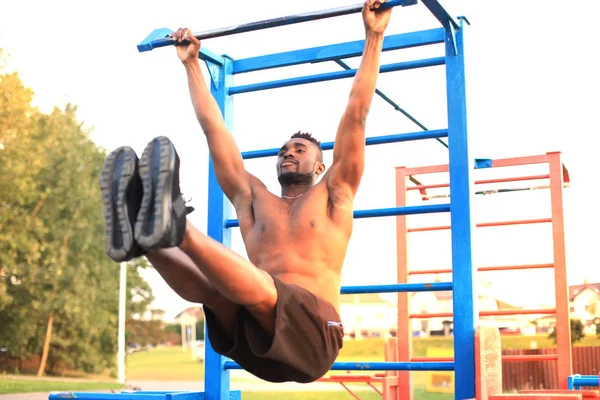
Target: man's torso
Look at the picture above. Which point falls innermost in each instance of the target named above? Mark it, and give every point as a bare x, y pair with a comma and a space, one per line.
303, 241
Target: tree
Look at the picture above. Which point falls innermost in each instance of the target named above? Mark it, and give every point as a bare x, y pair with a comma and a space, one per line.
576, 332
52, 262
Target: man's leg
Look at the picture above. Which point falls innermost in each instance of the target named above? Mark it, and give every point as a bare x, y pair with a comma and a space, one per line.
162, 223
184, 277
233, 276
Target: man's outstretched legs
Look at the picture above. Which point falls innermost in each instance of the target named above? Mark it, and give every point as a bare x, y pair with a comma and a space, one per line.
221, 278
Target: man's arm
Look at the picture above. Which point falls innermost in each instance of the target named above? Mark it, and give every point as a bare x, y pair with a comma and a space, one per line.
227, 160
349, 147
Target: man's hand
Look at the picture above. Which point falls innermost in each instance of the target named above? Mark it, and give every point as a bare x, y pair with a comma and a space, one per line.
375, 20
187, 45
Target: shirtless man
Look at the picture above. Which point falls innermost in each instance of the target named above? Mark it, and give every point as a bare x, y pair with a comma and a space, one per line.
277, 314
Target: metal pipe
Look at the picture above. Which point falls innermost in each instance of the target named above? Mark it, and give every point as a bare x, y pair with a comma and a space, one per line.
485, 269
380, 212
398, 288
508, 358
483, 181
370, 141
272, 23
329, 76
484, 224
488, 313
376, 366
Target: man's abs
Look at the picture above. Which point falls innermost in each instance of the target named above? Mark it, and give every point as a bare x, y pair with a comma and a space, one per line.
298, 242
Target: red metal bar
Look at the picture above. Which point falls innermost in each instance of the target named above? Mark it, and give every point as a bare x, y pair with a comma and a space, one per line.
509, 358
483, 182
561, 288
487, 313
349, 391
485, 269
484, 224
375, 389
512, 162
404, 333
505, 162
432, 169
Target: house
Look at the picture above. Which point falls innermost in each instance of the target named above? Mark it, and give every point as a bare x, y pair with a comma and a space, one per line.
367, 315
442, 302
584, 305
584, 302
188, 319
370, 315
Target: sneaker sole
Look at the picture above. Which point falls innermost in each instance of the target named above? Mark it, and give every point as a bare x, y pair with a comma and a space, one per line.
116, 176
157, 167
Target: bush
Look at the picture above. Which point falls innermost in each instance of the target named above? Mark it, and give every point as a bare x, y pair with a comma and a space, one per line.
576, 332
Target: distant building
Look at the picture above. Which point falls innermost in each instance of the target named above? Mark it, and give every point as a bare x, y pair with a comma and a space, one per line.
584, 305
370, 315
367, 315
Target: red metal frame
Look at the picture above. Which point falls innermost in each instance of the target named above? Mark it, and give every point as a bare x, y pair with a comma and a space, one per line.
484, 269
558, 177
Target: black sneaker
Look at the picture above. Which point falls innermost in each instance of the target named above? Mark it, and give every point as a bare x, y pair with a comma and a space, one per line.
121, 189
162, 217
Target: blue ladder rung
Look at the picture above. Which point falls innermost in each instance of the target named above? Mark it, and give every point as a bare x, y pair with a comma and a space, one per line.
577, 381
375, 366
370, 141
398, 288
380, 212
139, 395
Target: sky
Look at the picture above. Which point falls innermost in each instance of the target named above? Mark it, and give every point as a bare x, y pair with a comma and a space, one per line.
532, 88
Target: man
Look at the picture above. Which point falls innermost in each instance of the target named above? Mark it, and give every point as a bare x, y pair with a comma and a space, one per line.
276, 314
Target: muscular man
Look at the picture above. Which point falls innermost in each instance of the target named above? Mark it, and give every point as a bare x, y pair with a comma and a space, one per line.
276, 314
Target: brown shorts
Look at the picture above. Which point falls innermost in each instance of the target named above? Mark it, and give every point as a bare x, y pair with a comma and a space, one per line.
308, 337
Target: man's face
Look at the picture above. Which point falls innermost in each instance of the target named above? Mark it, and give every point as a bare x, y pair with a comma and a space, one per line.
298, 157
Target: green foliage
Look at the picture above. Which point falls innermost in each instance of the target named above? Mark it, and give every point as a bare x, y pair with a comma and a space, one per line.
576, 332
52, 258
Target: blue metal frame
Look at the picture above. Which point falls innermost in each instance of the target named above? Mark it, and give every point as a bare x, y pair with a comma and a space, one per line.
460, 166
223, 68
216, 377
577, 381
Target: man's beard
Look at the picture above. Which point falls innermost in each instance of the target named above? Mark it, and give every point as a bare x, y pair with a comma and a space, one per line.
295, 178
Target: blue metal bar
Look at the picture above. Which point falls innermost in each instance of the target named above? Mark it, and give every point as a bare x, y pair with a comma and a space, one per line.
398, 288
378, 366
271, 23
329, 76
440, 13
461, 186
380, 212
216, 378
336, 51
585, 380
393, 104
384, 139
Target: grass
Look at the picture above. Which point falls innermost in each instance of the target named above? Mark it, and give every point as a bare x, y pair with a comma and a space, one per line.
174, 364
43, 386
167, 363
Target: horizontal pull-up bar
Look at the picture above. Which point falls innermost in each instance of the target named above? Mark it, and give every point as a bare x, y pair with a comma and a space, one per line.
151, 43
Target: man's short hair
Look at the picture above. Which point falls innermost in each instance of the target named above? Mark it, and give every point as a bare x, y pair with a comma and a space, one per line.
308, 136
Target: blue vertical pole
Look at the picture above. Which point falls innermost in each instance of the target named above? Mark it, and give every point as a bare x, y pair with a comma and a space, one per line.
216, 378
466, 312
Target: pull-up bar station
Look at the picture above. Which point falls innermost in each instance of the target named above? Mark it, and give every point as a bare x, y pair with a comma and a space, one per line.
223, 68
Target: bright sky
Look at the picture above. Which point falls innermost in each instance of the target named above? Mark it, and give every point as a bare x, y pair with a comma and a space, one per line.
533, 87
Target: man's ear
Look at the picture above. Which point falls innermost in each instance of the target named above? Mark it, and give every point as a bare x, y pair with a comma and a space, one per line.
320, 168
